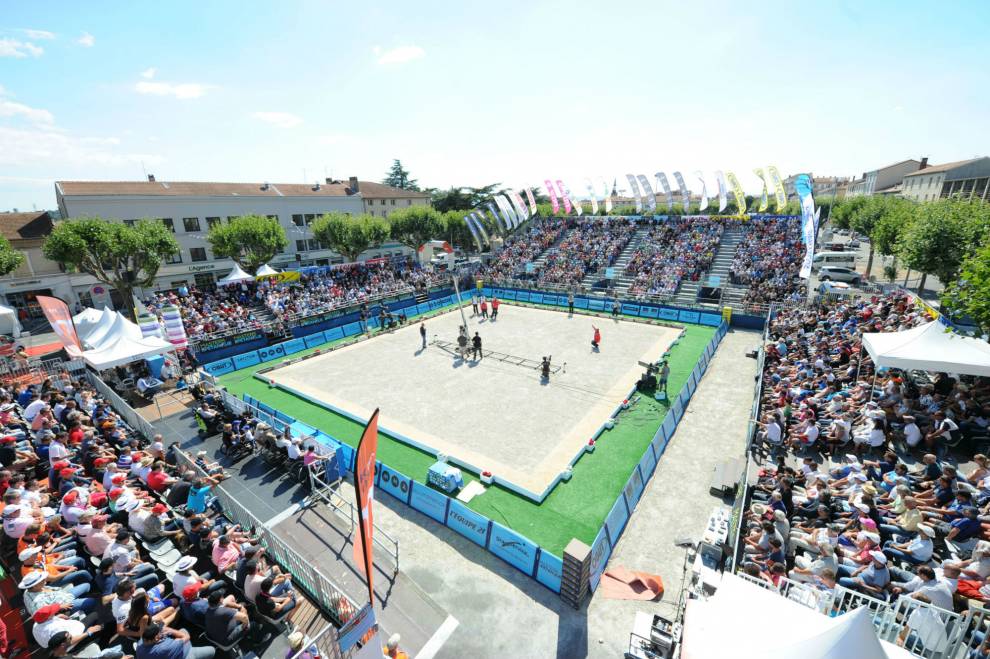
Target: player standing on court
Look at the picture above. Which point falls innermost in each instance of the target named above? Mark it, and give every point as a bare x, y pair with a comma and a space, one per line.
484, 308
422, 333
476, 346
495, 304
474, 303
597, 338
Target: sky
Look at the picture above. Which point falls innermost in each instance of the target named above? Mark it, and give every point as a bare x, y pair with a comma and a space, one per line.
476, 93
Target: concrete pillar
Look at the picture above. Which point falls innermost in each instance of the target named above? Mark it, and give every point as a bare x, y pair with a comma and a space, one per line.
576, 575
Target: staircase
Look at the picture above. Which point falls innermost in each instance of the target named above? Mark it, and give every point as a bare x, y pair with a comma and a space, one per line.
542, 258
623, 281
688, 291
262, 313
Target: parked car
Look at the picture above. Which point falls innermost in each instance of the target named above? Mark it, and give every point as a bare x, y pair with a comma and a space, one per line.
836, 273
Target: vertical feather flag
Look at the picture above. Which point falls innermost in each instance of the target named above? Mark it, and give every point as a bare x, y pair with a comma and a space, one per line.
778, 187
518, 205
704, 192
563, 197
723, 194
504, 228
764, 200
364, 486
606, 196
635, 191
532, 201
480, 224
553, 197
662, 180
506, 208
469, 221
737, 192
685, 193
803, 188
648, 194
591, 195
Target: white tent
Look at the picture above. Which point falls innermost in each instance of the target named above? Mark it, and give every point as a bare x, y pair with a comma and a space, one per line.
930, 347
111, 339
8, 322
112, 329
126, 350
236, 275
266, 271
744, 621
91, 324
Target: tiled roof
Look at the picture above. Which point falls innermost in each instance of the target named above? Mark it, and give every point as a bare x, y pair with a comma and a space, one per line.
25, 226
213, 189
934, 169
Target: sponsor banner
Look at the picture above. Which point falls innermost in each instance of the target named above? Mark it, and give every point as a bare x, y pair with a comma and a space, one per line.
394, 483
591, 196
549, 570
764, 199
669, 425
315, 340
284, 418
506, 207
633, 489
580, 303
280, 277
532, 201
355, 628
508, 295
723, 194
704, 192
688, 316
596, 305
229, 341
564, 197
429, 502
345, 457
647, 464
665, 184
364, 486
635, 192
468, 523
677, 409
60, 318
803, 188
350, 329
648, 312
246, 359
711, 319
616, 520
293, 346
512, 548
668, 314
522, 296
499, 222
600, 551
519, 205
780, 197
271, 352
737, 192
659, 443
220, 367
315, 319
536, 297
332, 334
685, 193
553, 196
651, 198
630, 309
691, 384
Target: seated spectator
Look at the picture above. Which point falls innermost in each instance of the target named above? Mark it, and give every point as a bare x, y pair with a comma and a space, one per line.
227, 621
49, 621
272, 606
160, 642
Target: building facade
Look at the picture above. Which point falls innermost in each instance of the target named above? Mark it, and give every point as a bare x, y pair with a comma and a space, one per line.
884, 180
381, 200
969, 179
820, 185
37, 276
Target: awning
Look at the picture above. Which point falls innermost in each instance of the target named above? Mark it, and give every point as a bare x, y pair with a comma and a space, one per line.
931, 347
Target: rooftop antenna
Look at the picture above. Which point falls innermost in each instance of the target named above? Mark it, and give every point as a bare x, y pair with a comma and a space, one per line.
144, 171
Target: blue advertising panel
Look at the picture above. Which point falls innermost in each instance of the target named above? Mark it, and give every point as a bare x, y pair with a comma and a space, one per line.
220, 367
677, 409
596, 305
271, 352
314, 340
668, 314
691, 384
616, 520
512, 548
536, 297
333, 334
669, 424
350, 329
710, 319
580, 303
649, 312
687, 316
633, 488
522, 296
247, 359
549, 570
508, 295
647, 464
394, 483
423, 307
345, 454
373, 322
294, 346
600, 551
659, 443
630, 309
468, 523
429, 502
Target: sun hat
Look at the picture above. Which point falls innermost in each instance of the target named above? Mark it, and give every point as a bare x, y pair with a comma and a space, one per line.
879, 557
132, 505
185, 563
28, 554
32, 579
927, 530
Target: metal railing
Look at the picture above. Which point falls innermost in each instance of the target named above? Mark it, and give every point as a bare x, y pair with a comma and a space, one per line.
129, 414
325, 642
18, 369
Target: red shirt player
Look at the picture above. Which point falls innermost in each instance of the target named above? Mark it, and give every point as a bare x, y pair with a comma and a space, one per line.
598, 337
484, 309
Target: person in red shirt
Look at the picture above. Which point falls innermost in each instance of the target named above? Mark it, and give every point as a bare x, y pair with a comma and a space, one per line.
495, 304
158, 480
76, 434
597, 339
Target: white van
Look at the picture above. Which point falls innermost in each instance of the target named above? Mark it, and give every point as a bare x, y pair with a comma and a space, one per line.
842, 259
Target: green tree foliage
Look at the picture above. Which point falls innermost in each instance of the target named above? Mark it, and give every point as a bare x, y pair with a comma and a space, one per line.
116, 254
463, 198
843, 211
350, 236
414, 225
250, 240
398, 177
970, 294
943, 234
456, 232
10, 258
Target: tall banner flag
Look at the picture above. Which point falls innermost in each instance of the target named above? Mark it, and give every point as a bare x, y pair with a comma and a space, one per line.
737, 192
635, 192
685, 193
469, 221
778, 188
606, 196
648, 194
802, 186
498, 221
662, 178
574, 201
764, 200
480, 224
563, 197
723, 194
591, 196
506, 206
704, 192
519, 205
532, 201
60, 318
553, 196
364, 487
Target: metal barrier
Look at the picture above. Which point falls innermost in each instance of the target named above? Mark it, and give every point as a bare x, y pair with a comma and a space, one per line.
132, 418
922, 629
35, 370
325, 642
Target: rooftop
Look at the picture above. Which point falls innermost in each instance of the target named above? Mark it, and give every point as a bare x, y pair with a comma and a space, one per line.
331, 188
934, 169
25, 226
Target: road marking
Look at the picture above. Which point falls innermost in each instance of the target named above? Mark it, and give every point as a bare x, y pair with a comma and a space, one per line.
438, 639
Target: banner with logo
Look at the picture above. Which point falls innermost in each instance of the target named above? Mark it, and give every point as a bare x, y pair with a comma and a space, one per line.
634, 189
280, 277
723, 193
607, 195
666, 190
480, 225
578, 210
564, 197
532, 201
364, 486
778, 187
704, 192
737, 192
507, 213
591, 196
764, 200
648, 194
553, 196
685, 193
60, 318
803, 188
518, 204
469, 221
499, 222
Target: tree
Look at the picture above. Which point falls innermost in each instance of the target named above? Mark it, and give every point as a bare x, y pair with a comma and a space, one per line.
10, 258
942, 235
414, 225
250, 240
398, 177
462, 198
119, 255
456, 232
844, 210
970, 294
350, 236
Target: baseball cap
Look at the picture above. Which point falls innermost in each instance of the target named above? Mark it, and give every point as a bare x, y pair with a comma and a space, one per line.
879, 557
191, 591
115, 492
45, 613
158, 509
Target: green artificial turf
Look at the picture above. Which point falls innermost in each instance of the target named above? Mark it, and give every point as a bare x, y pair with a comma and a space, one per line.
574, 509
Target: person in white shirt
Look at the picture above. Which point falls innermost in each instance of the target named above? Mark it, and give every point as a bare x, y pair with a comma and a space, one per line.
934, 591
294, 451
48, 622
33, 408
918, 550
57, 450
912, 433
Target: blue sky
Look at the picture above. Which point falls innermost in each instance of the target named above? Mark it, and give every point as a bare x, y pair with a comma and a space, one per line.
468, 95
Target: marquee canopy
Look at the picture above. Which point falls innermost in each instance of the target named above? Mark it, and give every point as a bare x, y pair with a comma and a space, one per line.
266, 271
236, 275
8, 322
930, 347
112, 340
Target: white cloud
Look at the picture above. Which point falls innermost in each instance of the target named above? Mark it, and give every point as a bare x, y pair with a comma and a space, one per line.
87, 40
399, 55
34, 115
38, 34
149, 73
51, 147
19, 49
184, 90
280, 119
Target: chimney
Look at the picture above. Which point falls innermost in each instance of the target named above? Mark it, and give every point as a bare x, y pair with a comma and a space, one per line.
265, 186
924, 163
329, 180
353, 184
151, 178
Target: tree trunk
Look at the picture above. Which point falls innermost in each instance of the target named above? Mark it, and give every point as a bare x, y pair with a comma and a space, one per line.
126, 291
869, 262
921, 286
906, 277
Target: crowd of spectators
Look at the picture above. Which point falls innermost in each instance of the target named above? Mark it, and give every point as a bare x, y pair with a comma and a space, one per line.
110, 537
589, 247
525, 247
768, 260
220, 310
872, 482
672, 251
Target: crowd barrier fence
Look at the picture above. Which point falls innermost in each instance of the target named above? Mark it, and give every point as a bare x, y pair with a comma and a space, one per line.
130, 415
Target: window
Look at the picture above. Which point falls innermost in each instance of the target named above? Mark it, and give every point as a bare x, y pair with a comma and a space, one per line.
392, 201
408, 202
204, 280
383, 202
130, 223
315, 245
190, 224
197, 254
169, 224
298, 220
212, 222
309, 218
231, 218
175, 258
272, 217
300, 245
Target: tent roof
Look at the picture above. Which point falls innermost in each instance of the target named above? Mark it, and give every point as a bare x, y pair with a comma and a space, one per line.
234, 276
126, 350
6, 311
929, 347
266, 271
111, 331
